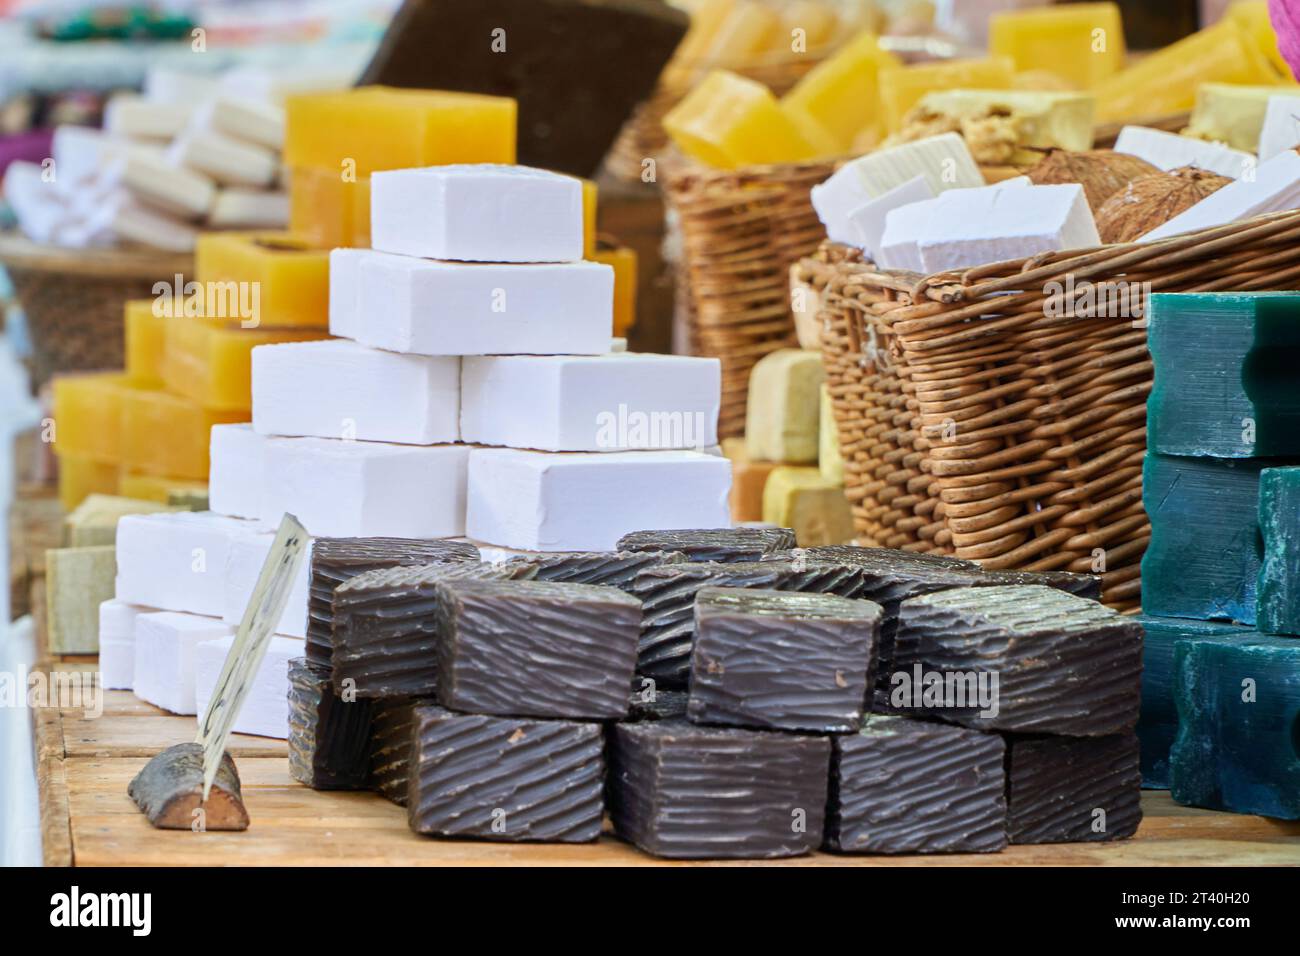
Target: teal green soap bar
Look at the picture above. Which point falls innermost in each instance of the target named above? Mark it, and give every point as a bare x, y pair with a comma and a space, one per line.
1225, 374
1158, 721
1279, 573
1203, 559
1238, 701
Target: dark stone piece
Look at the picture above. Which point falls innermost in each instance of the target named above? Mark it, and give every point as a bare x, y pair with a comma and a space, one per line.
780, 659
1062, 664
505, 778
1073, 789
688, 792
392, 728
712, 544
334, 560
535, 649
169, 789
911, 786
329, 738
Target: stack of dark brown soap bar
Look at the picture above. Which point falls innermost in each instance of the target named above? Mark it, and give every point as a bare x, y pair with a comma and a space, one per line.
713, 544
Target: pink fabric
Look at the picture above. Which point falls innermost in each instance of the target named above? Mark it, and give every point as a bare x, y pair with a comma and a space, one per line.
1285, 15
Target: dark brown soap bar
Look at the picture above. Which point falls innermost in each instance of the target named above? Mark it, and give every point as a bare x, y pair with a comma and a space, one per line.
334, 560
1029, 659
1073, 789
616, 569
385, 634
683, 791
577, 68
505, 778
781, 659
329, 738
712, 544
668, 603
1084, 585
392, 728
535, 648
653, 703
910, 786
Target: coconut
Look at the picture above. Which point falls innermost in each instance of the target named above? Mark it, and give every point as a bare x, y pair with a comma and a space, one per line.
1152, 201
1101, 172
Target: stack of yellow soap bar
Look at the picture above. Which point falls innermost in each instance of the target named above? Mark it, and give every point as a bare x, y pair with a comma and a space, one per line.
167, 435
279, 280
328, 209
145, 342
160, 489
87, 433
1083, 43
901, 88
623, 260
841, 95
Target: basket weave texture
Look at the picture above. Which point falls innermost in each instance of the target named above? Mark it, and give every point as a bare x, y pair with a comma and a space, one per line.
999, 413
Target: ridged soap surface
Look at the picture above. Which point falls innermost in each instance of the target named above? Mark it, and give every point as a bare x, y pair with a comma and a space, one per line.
908, 786
329, 739
1056, 785
616, 569
504, 778
688, 792
390, 747
712, 544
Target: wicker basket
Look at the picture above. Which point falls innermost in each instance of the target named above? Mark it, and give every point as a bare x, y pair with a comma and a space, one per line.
1000, 413
73, 299
741, 231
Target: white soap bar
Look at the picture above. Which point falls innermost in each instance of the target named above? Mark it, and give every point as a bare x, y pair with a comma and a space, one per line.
151, 178
340, 70
973, 227
117, 643
227, 160
237, 473
1170, 151
1274, 187
134, 222
133, 116
36, 203
835, 198
477, 213
537, 501
616, 402
80, 154
904, 227
456, 308
248, 554
164, 84
164, 656
176, 561
254, 121
265, 710
1281, 130
345, 291
238, 208
359, 489
867, 221
339, 389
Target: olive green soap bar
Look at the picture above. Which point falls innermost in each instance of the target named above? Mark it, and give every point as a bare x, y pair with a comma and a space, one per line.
1225, 374
1278, 592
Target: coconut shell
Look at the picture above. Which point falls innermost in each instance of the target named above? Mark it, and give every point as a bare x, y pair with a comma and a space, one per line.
1101, 172
1152, 201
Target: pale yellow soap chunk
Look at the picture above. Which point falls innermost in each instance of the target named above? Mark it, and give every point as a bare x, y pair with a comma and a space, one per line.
93, 523
781, 421
1233, 114
829, 459
1040, 120
800, 498
77, 582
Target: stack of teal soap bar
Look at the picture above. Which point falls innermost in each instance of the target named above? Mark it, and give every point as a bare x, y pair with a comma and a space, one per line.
1238, 744
1158, 722
1225, 374
1278, 592
1203, 559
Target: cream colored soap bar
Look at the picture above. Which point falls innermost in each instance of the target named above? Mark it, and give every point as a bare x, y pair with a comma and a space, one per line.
94, 522
781, 421
1232, 114
77, 581
800, 498
829, 459
1041, 120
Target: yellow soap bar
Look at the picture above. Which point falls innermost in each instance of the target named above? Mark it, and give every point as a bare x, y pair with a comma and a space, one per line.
88, 415
145, 338
816, 18
375, 128
623, 261
841, 95
801, 499
165, 434
1166, 81
748, 479
902, 87
81, 477
280, 281
829, 460
781, 419
1081, 42
323, 207
590, 195
361, 215
160, 488
1252, 16
750, 29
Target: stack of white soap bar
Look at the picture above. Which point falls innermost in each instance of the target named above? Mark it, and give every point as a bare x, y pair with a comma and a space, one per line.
117, 643
1281, 130
265, 710
1274, 187
165, 644
237, 473
248, 554
1168, 151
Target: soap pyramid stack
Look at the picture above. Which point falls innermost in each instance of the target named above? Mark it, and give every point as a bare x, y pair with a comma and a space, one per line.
1221, 482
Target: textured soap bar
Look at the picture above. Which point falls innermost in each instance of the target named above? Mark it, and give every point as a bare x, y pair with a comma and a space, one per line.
1238, 701
492, 634
237, 473
1084, 585
1072, 789
94, 521
505, 778
908, 786
329, 738
650, 703
335, 560
616, 402
264, 710
147, 415
781, 422
1083, 43
713, 544
901, 88
1158, 721
385, 636
1203, 559
616, 569
1279, 570
1235, 400
290, 278
682, 791
165, 645
781, 660
1063, 664
77, 582
813, 506
392, 729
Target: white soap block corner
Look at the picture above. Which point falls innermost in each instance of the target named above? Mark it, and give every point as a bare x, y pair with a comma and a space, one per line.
176, 561
345, 292
835, 198
237, 473
248, 554
117, 643
866, 222
265, 710
536, 501
477, 213
165, 645
1167, 151
899, 241
1281, 129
